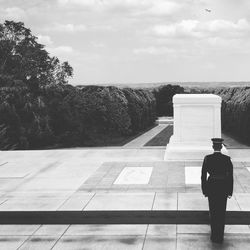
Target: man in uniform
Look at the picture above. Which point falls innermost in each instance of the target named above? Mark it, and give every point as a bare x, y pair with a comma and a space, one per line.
217, 187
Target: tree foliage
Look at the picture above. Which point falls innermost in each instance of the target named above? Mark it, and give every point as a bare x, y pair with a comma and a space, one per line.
38, 109
163, 96
67, 116
23, 59
141, 108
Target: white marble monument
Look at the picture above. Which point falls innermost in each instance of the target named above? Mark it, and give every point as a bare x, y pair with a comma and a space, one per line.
197, 119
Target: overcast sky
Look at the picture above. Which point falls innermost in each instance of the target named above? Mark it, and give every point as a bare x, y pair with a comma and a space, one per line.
109, 41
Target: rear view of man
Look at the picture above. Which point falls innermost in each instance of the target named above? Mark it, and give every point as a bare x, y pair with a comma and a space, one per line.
217, 187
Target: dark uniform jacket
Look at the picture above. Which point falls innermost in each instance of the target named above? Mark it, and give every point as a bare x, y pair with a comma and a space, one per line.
220, 170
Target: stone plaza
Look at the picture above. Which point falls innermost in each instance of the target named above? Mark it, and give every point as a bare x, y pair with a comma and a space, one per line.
117, 178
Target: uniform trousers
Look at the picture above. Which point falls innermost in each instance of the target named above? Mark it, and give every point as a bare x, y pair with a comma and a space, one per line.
217, 210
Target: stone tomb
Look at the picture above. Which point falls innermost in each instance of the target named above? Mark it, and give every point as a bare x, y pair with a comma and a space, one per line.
197, 119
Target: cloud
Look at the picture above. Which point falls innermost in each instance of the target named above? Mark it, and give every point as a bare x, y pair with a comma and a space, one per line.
72, 28
45, 40
79, 3
102, 27
64, 53
222, 45
134, 7
152, 50
181, 29
61, 50
240, 27
68, 27
15, 14
200, 29
163, 8
98, 44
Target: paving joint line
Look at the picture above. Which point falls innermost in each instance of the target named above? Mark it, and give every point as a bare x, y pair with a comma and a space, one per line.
143, 245
3, 201
66, 200
236, 177
4, 163
60, 237
28, 179
29, 237
176, 234
238, 203
144, 240
177, 200
153, 201
88, 202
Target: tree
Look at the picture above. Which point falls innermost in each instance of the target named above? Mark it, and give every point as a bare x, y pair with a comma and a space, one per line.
22, 58
163, 96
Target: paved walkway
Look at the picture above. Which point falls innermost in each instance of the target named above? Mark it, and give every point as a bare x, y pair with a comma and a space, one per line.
233, 143
107, 179
102, 201
47, 179
144, 138
119, 237
67, 170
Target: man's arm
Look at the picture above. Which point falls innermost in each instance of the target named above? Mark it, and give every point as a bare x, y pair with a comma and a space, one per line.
204, 177
230, 178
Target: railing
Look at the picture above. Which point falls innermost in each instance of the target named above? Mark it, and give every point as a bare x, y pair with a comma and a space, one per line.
119, 217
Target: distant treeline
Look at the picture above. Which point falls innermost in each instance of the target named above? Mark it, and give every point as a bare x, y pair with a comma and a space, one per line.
66, 116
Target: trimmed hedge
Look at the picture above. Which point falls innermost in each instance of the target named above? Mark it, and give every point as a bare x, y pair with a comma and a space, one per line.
141, 108
235, 111
67, 116
23, 115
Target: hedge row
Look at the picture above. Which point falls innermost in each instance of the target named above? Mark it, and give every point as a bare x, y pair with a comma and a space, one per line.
235, 111
66, 116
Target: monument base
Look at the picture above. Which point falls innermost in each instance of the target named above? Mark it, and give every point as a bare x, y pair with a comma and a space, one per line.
189, 152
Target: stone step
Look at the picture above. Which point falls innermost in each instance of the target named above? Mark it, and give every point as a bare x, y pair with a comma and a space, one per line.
120, 217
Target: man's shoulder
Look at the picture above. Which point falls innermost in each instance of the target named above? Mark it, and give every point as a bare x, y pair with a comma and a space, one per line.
226, 156
211, 156
208, 156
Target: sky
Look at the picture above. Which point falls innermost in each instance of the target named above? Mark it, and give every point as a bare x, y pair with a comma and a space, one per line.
135, 41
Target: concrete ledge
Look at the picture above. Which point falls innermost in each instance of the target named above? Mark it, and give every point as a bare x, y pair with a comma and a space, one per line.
119, 217
199, 99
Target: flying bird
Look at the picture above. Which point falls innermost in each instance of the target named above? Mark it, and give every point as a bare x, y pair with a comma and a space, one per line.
208, 10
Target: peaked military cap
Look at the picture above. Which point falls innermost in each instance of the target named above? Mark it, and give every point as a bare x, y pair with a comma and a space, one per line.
217, 140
